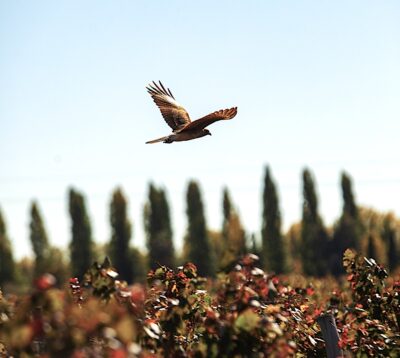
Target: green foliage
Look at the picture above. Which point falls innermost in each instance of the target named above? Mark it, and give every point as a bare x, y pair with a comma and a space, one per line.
39, 241
102, 279
274, 255
81, 245
314, 238
307, 247
58, 265
232, 241
348, 230
120, 236
139, 264
7, 264
197, 245
294, 248
370, 322
176, 307
391, 237
372, 242
349, 205
158, 229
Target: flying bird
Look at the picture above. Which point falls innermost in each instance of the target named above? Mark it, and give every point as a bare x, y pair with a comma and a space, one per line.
178, 118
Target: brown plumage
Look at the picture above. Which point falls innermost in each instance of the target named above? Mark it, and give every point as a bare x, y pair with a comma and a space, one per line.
178, 118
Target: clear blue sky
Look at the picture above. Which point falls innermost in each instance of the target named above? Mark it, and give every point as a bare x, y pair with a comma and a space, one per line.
317, 84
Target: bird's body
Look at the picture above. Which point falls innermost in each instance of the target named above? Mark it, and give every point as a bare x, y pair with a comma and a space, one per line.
180, 137
178, 119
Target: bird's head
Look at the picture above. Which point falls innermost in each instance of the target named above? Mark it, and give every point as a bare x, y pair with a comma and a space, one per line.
207, 132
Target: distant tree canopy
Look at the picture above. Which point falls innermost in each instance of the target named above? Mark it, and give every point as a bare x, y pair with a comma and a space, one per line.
197, 244
373, 232
81, 246
158, 229
7, 264
348, 230
48, 259
314, 237
390, 236
39, 240
121, 230
233, 241
274, 255
294, 248
306, 247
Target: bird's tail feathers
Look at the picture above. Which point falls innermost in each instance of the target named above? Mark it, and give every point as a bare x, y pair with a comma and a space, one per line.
162, 139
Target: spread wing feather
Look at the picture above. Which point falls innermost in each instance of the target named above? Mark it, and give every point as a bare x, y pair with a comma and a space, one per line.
201, 123
174, 114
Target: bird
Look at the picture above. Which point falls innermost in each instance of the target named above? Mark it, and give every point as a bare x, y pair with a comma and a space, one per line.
178, 119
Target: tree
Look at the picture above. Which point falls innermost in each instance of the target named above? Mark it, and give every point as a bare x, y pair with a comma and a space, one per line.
7, 264
81, 246
273, 249
313, 234
391, 235
139, 265
233, 238
121, 234
197, 245
39, 240
348, 230
294, 248
158, 229
372, 241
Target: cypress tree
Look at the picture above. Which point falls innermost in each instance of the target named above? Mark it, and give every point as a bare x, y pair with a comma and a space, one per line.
227, 208
348, 230
372, 240
197, 245
81, 246
272, 240
157, 224
294, 248
121, 234
233, 235
313, 234
39, 240
389, 236
349, 205
7, 264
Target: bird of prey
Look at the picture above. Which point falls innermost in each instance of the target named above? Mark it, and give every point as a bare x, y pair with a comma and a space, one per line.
178, 119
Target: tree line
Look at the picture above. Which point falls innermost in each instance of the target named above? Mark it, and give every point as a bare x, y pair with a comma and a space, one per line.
309, 246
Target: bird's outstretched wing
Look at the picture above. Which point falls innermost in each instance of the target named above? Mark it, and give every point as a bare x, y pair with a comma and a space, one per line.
203, 122
174, 114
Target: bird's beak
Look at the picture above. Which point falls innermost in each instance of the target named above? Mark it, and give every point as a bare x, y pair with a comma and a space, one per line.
209, 133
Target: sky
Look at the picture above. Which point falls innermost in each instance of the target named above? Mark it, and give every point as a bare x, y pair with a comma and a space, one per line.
316, 83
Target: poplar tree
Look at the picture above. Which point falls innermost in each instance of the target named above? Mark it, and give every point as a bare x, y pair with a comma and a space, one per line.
313, 234
121, 230
7, 264
39, 240
233, 234
81, 246
158, 229
272, 240
197, 245
348, 230
390, 236
371, 248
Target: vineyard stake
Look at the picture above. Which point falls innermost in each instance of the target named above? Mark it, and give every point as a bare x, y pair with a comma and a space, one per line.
331, 335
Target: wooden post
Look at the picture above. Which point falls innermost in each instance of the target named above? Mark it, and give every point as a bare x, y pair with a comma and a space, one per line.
331, 336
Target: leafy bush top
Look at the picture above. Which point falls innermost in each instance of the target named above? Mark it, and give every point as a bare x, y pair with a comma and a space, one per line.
244, 312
